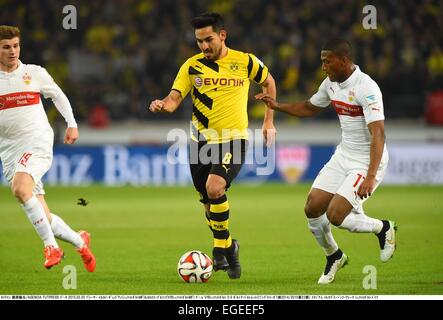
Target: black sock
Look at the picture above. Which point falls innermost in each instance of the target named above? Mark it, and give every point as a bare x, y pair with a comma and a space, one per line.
385, 228
336, 255
382, 235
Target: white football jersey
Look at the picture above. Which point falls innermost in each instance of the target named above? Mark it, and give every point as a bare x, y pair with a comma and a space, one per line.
358, 102
23, 119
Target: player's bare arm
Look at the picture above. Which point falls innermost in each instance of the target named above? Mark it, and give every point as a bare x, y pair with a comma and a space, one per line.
377, 131
168, 104
269, 131
71, 136
299, 109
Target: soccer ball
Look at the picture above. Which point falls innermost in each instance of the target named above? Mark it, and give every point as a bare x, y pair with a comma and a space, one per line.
195, 266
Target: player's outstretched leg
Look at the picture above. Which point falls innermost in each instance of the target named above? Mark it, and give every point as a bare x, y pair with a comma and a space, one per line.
334, 262
386, 238
79, 239
383, 229
233, 258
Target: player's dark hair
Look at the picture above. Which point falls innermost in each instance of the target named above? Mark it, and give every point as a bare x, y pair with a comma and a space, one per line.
9, 32
339, 47
209, 19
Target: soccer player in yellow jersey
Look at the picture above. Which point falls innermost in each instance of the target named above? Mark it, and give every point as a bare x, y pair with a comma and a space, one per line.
218, 79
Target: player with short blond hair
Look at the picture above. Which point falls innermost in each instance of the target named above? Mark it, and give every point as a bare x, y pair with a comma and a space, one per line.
26, 141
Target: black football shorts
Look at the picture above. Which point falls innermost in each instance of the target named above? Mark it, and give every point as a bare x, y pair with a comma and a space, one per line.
223, 159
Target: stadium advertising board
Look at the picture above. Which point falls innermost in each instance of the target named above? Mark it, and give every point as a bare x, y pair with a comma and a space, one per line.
415, 164
115, 165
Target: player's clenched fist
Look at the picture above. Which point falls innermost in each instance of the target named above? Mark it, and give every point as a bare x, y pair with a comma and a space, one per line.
157, 106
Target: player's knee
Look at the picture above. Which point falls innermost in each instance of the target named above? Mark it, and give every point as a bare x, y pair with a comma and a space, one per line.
334, 216
312, 210
215, 191
21, 193
308, 210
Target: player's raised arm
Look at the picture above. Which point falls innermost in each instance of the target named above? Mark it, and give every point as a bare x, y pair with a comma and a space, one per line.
169, 104
269, 131
299, 109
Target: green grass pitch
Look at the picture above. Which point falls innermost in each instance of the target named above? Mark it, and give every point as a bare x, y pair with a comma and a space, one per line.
138, 235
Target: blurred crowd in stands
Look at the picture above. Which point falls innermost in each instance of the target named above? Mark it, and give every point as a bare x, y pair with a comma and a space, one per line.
124, 53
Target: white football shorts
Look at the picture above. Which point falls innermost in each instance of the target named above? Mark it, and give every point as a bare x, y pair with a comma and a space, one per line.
344, 173
35, 161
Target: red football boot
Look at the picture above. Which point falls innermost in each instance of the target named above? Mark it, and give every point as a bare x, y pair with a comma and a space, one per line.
85, 252
53, 256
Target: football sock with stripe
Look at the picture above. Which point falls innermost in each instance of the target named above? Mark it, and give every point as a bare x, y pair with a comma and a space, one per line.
63, 232
36, 214
219, 217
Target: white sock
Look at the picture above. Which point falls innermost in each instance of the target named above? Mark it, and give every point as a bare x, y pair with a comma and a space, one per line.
361, 223
63, 232
36, 214
321, 229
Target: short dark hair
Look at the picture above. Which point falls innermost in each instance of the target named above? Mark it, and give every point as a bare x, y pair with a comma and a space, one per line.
339, 47
208, 19
9, 32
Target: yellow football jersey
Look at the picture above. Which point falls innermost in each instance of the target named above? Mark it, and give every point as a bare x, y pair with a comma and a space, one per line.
219, 91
